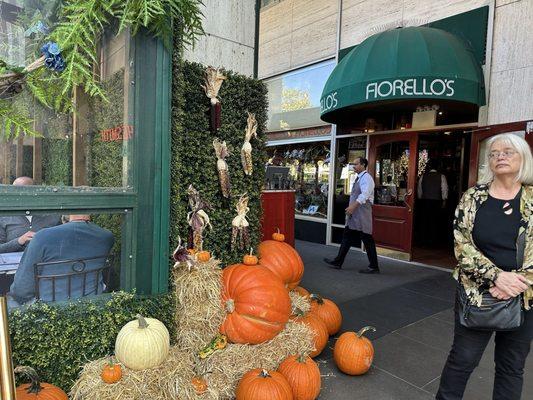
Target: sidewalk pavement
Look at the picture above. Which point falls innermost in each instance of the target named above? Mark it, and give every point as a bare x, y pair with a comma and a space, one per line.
411, 307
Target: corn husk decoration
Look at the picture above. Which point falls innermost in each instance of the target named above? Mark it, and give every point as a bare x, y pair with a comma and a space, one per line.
221, 151
182, 256
246, 151
197, 218
240, 226
213, 81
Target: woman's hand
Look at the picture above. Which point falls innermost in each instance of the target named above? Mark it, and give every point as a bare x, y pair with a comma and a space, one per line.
497, 293
510, 284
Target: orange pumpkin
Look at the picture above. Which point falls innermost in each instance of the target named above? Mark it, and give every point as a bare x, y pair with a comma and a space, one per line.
199, 384
303, 375
203, 256
260, 384
328, 312
301, 291
278, 236
318, 328
283, 260
35, 390
354, 353
111, 373
257, 304
250, 259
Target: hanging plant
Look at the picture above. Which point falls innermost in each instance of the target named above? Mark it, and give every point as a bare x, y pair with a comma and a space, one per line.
221, 151
246, 151
77, 33
240, 226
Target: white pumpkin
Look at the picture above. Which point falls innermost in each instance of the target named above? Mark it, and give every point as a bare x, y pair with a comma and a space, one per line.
142, 343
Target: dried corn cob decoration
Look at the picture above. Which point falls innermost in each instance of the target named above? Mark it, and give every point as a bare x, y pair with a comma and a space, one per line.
221, 151
197, 218
213, 81
246, 151
240, 225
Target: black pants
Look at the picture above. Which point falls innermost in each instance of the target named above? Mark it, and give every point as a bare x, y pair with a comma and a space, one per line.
351, 237
468, 346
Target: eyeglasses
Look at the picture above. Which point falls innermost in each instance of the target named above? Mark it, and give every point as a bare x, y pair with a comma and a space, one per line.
494, 155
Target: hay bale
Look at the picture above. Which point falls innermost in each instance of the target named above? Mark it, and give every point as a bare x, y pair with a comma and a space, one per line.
299, 302
199, 311
154, 383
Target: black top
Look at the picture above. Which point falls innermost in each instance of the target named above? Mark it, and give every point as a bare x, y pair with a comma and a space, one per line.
495, 230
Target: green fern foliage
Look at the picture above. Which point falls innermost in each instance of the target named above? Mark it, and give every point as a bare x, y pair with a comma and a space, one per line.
15, 122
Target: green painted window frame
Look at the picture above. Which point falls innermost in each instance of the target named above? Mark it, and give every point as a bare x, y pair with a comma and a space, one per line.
146, 208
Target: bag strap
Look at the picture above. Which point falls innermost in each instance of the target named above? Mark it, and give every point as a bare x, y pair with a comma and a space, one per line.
520, 249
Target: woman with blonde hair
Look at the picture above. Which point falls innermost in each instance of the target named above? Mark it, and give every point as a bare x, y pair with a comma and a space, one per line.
493, 232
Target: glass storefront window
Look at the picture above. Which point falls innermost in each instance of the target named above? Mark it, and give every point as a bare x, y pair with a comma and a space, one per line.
348, 149
91, 147
308, 174
68, 255
294, 98
392, 169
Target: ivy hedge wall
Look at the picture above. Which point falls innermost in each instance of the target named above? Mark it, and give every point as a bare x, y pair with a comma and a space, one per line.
193, 156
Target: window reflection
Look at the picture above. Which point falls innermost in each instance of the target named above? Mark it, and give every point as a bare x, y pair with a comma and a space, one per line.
53, 257
294, 98
92, 146
308, 174
392, 169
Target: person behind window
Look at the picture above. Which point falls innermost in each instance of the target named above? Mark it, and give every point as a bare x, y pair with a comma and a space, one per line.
489, 221
16, 231
432, 194
77, 239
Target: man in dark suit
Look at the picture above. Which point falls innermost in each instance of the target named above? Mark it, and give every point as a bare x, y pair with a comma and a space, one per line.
77, 239
16, 231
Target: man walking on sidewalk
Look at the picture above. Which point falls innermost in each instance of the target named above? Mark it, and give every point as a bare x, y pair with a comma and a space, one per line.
359, 220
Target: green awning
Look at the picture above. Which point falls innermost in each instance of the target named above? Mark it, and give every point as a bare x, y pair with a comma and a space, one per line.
403, 64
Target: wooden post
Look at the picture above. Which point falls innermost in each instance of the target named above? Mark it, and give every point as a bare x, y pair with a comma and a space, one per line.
79, 133
20, 156
37, 161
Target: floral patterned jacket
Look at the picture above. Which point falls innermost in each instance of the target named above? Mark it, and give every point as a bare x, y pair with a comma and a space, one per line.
474, 271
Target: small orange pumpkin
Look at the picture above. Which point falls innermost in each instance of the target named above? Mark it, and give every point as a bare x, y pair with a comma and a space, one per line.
35, 390
328, 312
260, 384
301, 291
278, 236
203, 256
111, 373
250, 259
199, 384
318, 328
303, 375
353, 353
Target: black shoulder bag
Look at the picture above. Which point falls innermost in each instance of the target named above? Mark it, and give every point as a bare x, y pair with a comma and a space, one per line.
494, 314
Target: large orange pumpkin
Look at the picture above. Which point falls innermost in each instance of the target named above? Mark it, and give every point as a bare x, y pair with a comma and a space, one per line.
353, 353
301, 291
303, 375
328, 312
257, 304
283, 261
35, 390
260, 384
318, 328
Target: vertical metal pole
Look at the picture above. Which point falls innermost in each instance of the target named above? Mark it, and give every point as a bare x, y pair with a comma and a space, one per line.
7, 379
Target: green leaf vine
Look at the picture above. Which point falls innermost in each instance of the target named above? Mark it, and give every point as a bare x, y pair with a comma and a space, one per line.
79, 28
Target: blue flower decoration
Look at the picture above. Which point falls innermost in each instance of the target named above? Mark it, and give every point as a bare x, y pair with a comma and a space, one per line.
39, 27
53, 59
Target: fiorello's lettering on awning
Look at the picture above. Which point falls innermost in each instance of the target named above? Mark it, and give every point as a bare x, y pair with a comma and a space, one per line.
329, 102
410, 87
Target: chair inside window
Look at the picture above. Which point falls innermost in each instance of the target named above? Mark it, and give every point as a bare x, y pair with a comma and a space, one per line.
72, 279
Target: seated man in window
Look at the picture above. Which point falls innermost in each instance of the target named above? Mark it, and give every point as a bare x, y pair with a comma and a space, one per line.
16, 231
77, 239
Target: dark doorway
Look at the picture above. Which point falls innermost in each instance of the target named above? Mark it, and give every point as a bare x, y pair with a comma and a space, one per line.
442, 173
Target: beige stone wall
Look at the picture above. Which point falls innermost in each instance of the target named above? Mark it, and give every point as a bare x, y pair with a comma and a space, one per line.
230, 34
296, 32
511, 80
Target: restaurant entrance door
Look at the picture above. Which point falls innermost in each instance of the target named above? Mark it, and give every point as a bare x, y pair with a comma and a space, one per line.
394, 171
